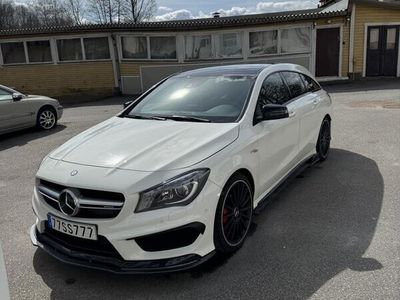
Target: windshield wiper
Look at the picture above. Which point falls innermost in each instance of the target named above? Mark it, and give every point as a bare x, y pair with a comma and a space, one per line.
186, 118
145, 117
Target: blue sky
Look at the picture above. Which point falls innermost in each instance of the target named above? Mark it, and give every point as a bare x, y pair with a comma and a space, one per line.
181, 9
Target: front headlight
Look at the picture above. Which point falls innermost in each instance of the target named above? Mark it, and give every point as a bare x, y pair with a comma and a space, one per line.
178, 191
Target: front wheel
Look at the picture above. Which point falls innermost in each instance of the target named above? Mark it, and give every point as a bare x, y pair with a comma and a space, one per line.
324, 140
234, 214
46, 119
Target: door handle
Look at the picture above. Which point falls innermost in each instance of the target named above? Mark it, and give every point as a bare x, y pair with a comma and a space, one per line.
292, 114
315, 102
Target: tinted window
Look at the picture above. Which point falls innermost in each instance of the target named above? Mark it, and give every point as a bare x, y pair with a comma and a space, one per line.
295, 84
216, 98
5, 95
273, 91
311, 85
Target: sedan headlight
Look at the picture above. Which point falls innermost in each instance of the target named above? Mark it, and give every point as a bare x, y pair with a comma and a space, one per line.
178, 191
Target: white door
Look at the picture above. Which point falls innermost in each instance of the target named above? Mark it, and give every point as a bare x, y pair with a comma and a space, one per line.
307, 108
278, 139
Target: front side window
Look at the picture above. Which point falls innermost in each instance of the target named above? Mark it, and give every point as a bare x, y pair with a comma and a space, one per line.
296, 40
264, 42
134, 47
39, 51
163, 47
96, 48
295, 84
215, 98
5, 95
13, 53
273, 91
69, 50
229, 45
198, 47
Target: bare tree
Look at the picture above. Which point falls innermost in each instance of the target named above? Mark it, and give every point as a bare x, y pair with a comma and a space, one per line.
77, 10
52, 12
105, 11
139, 10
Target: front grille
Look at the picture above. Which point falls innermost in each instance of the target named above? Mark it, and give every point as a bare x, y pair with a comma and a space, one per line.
93, 203
100, 247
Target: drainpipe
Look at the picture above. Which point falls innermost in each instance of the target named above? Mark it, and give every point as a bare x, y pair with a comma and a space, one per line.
116, 66
351, 48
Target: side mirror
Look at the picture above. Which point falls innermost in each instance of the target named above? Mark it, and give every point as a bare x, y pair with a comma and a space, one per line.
16, 96
126, 104
274, 112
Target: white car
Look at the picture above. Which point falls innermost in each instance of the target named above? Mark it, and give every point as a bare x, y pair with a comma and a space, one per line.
175, 177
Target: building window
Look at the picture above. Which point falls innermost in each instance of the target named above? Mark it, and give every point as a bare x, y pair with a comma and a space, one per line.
391, 39
264, 42
134, 47
96, 48
39, 51
13, 53
69, 50
374, 39
163, 47
229, 45
296, 40
198, 47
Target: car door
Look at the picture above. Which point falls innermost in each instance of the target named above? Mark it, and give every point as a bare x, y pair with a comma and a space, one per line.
308, 103
14, 113
277, 139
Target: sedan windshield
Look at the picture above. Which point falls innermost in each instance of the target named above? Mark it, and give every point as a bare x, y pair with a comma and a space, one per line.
218, 99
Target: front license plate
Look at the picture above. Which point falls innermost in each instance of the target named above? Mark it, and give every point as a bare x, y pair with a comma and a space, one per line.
84, 231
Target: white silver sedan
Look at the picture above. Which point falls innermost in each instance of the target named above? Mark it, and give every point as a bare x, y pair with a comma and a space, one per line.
18, 111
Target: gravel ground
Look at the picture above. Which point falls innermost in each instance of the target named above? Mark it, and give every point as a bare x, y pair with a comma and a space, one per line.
333, 233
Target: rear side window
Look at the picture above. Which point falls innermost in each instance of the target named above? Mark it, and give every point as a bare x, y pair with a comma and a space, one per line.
311, 85
295, 84
273, 91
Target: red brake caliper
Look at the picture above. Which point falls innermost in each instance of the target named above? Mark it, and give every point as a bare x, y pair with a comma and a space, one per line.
225, 216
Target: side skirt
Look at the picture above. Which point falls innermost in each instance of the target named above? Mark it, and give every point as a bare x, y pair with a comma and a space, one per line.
268, 198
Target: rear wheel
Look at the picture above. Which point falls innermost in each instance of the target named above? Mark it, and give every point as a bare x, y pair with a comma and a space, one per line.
234, 214
46, 118
324, 140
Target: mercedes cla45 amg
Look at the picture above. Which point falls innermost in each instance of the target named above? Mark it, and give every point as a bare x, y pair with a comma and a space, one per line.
174, 178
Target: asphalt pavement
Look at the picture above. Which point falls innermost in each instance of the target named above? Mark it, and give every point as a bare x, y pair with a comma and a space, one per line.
332, 233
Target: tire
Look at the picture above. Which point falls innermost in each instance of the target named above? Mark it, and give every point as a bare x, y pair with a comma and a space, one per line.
324, 140
46, 118
234, 214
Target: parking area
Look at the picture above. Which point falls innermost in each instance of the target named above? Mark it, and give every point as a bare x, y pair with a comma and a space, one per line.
332, 233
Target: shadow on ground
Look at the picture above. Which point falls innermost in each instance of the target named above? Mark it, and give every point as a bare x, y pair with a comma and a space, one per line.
319, 225
22, 137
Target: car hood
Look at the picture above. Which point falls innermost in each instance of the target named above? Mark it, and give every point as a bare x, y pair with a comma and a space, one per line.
146, 145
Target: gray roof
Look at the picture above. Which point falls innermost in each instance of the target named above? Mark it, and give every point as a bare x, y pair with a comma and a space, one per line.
193, 24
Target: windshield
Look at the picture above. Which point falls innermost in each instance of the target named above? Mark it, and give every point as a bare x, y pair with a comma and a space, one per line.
197, 98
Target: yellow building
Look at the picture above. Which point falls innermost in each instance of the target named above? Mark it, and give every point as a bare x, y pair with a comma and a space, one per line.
342, 39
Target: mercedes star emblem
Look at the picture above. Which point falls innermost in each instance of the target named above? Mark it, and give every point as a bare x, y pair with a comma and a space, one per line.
68, 203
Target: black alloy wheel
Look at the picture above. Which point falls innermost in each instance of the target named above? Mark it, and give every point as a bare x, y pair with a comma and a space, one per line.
234, 214
324, 140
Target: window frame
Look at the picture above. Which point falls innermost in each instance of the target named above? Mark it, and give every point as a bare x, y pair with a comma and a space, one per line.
25, 53
197, 34
81, 38
278, 42
296, 52
54, 49
304, 85
147, 36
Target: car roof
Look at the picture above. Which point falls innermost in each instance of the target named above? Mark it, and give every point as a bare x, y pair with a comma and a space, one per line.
240, 69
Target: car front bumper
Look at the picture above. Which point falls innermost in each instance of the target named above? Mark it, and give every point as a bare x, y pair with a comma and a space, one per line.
136, 240
112, 264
